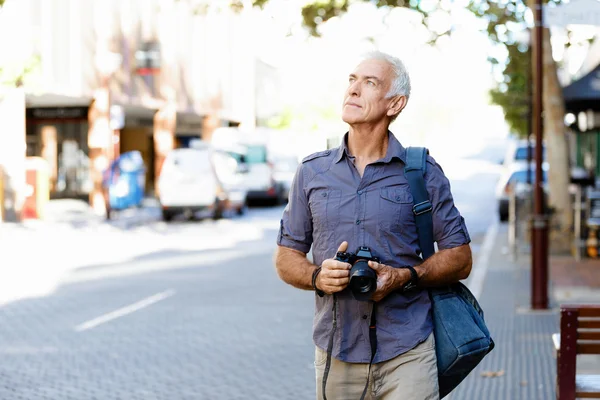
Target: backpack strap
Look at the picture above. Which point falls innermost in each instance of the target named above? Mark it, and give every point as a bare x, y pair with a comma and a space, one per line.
414, 170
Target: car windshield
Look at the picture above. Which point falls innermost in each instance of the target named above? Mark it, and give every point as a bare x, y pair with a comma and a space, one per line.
521, 153
521, 176
188, 160
256, 154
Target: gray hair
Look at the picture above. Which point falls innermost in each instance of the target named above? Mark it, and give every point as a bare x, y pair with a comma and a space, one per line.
401, 83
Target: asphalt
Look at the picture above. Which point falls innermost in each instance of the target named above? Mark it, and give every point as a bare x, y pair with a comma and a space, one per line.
229, 328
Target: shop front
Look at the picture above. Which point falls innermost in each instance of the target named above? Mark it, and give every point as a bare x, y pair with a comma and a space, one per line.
137, 134
188, 127
582, 102
57, 131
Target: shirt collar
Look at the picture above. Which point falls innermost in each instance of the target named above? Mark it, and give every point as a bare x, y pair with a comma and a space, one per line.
394, 150
342, 149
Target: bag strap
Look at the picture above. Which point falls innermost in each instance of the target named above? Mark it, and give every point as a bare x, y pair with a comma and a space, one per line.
414, 171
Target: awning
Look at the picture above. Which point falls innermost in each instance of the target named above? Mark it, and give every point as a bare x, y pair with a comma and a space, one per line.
138, 116
584, 93
55, 101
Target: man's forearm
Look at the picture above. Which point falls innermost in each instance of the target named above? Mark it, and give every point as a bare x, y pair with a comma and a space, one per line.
445, 267
294, 268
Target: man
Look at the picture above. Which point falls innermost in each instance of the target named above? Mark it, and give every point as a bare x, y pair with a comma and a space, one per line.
357, 195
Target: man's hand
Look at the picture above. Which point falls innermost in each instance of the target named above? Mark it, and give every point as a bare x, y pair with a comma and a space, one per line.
388, 279
334, 275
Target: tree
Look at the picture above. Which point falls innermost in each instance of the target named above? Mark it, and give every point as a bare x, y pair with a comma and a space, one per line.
506, 23
202, 6
15, 72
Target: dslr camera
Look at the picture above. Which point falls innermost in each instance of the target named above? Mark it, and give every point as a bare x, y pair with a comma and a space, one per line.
363, 280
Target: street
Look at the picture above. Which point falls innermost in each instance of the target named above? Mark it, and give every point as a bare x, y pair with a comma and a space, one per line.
187, 310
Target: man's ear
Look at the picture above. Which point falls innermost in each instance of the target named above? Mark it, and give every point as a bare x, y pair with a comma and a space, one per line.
396, 105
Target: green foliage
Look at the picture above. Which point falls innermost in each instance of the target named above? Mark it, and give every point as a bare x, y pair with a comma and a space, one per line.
320, 11
505, 22
282, 120
514, 94
505, 25
202, 6
303, 117
16, 74
259, 3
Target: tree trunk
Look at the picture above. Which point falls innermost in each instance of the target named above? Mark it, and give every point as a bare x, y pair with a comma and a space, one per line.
557, 152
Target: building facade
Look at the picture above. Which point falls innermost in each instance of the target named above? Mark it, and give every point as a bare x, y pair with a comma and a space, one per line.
115, 76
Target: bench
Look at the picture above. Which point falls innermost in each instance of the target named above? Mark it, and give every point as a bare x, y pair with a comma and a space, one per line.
579, 334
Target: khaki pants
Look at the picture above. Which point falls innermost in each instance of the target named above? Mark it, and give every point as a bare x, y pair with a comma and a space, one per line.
410, 376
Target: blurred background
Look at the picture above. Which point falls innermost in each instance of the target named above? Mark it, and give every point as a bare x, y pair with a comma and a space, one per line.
147, 149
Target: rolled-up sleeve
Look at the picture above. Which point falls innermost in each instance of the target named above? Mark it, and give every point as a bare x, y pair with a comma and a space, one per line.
295, 229
449, 228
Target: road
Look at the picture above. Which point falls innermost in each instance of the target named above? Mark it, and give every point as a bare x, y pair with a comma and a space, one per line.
192, 310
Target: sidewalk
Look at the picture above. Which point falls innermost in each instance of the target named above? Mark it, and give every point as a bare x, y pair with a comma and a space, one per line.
34, 254
523, 364
79, 215
575, 281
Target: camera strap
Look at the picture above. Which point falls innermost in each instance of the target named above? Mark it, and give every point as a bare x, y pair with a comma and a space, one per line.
372, 340
330, 346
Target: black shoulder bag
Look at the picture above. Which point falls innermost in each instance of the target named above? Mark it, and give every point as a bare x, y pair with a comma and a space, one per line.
461, 336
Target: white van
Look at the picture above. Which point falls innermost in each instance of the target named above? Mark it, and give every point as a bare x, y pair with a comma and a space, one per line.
190, 182
251, 150
260, 179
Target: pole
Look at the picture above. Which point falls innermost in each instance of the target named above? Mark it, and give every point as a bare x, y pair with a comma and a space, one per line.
529, 122
512, 221
539, 273
577, 222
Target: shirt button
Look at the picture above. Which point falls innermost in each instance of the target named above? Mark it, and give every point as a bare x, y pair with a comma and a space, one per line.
324, 194
364, 317
360, 192
358, 222
397, 198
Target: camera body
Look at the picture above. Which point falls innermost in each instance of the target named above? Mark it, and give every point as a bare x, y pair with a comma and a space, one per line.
363, 280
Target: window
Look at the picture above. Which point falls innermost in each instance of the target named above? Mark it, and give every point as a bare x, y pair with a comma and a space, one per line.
189, 161
256, 155
521, 153
521, 176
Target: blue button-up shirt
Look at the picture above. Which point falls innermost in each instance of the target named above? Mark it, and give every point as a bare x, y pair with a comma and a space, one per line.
330, 203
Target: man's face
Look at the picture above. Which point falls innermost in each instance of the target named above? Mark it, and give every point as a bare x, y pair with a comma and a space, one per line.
365, 99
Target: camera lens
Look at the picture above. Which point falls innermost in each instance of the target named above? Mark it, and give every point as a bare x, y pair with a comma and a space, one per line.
362, 284
363, 280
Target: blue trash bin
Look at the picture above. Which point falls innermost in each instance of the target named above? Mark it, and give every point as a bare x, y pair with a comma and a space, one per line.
125, 181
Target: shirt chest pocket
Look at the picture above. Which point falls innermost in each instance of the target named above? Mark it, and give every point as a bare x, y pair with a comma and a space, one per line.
325, 209
395, 208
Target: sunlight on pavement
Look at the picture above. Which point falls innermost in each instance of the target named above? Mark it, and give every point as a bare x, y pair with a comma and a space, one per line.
62, 251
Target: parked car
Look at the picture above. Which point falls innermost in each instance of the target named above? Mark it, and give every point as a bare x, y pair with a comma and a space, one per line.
232, 175
284, 169
515, 178
197, 179
517, 151
259, 179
